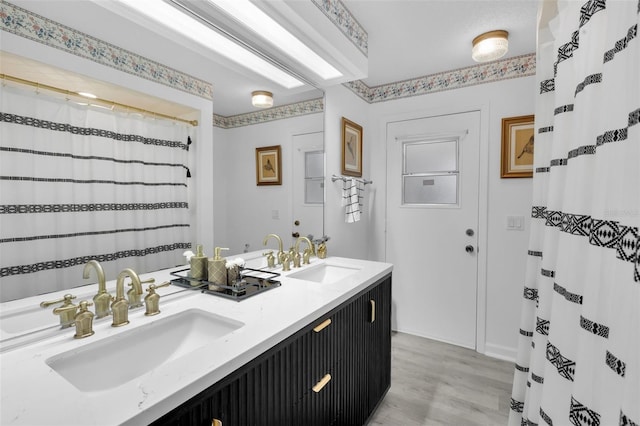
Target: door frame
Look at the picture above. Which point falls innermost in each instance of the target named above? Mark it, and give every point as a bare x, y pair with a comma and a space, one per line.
483, 199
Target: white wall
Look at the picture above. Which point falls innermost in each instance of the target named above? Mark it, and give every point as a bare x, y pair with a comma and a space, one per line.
248, 209
347, 239
506, 251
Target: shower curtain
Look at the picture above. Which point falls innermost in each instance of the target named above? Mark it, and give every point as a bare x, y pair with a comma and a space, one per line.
578, 360
79, 183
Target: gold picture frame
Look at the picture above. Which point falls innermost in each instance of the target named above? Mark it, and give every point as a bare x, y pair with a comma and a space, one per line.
268, 165
517, 147
351, 148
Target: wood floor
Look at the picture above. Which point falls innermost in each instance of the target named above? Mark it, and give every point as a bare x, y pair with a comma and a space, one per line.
434, 383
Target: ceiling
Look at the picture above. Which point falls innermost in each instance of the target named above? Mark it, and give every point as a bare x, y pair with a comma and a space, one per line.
414, 38
406, 38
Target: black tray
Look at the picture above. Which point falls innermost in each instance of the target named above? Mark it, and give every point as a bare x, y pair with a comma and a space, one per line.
252, 282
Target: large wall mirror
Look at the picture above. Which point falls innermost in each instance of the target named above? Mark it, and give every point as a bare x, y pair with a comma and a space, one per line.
243, 212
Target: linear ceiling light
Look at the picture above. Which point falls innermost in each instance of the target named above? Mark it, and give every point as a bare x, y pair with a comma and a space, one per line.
197, 31
265, 26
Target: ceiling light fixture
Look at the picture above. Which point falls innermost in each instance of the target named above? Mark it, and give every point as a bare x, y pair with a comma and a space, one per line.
262, 99
202, 34
490, 46
87, 95
262, 24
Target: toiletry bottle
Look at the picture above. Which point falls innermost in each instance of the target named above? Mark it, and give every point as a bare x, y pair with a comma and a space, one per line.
199, 264
217, 269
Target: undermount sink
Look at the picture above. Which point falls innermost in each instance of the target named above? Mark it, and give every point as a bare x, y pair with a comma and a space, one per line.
324, 273
119, 359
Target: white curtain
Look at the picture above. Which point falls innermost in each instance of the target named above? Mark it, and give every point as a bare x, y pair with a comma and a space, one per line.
80, 183
579, 349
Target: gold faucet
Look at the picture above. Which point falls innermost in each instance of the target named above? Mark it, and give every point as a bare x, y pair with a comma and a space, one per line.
307, 252
281, 253
286, 262
120, 306
152, 300
84, 321
67, 311
103, 298
134, 296
271, 263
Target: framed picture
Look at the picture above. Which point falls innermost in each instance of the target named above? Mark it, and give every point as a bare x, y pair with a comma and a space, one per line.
268, 165
517, 147
351, 148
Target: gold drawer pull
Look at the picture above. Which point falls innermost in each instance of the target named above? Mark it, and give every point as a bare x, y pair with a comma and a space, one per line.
216, 422
322, 383
373, 310
322, 326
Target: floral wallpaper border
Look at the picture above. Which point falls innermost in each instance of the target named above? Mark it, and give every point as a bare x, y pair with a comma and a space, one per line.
276, 113
342, 18
519, 66
29, 25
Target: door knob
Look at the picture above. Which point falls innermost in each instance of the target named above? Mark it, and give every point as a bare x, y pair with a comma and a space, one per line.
469, 249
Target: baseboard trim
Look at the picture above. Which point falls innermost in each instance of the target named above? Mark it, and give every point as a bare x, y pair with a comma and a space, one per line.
504, 353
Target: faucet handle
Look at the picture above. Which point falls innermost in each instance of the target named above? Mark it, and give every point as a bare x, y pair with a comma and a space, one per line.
152, 300
271, 260
84, 321
149, 281
286, 262
66, 299
67, 311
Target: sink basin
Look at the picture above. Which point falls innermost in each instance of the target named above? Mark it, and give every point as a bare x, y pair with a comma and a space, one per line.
121, 358
324, 273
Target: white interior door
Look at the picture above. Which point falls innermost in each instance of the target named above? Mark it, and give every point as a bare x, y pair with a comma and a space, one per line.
432, 225
308, 185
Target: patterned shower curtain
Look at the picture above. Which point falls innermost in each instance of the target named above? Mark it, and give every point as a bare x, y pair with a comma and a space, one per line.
80, 183
578, 360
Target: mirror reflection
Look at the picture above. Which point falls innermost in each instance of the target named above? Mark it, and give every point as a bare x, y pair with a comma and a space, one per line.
244, 212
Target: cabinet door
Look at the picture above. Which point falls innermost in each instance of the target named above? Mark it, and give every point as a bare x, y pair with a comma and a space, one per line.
366, 343
378, 331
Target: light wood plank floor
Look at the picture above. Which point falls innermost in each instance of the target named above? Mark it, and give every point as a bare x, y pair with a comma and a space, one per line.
434, 383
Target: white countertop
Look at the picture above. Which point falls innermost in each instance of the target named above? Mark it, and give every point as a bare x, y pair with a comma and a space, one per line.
32, 393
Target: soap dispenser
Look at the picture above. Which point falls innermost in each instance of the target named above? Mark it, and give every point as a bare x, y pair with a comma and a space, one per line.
199, 265
217, 269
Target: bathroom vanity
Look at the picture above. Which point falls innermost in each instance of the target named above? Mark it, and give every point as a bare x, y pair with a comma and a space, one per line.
314, 350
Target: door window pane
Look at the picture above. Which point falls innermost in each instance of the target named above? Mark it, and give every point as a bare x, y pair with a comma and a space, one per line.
430, 189
430, 172
437, 156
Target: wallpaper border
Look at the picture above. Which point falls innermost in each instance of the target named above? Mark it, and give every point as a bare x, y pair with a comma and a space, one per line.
24, 23
342, 18
276, 113
519, 66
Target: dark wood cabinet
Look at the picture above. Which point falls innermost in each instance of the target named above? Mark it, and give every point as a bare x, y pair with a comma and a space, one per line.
345, 355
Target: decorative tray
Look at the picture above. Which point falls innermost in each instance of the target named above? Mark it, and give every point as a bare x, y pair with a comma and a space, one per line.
251, 282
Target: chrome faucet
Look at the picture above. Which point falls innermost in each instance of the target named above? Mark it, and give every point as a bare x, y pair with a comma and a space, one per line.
308, 251
120, 306
281, 253
103, 298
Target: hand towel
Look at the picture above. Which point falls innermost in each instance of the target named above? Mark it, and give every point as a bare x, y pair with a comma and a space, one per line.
352, 209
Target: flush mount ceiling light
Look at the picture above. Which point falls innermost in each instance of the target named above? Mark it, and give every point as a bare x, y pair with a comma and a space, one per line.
262, 99
262, 24
490, 46
206, 36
